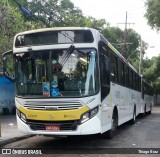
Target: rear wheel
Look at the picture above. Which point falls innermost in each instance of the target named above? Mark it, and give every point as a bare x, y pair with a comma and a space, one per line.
150, 110
133, 120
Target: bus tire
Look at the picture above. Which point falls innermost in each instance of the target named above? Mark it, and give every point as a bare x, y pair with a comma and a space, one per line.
150, 110
133, 120
144, 113
114, 126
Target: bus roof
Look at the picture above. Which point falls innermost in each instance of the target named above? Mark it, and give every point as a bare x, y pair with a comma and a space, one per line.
55, 29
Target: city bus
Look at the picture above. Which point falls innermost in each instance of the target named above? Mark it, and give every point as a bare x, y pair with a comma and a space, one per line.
72, 81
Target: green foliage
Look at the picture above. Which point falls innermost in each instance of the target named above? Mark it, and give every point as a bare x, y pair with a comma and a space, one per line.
8, 30
151, 72
116, 37
11, 23
152, 13
59, 13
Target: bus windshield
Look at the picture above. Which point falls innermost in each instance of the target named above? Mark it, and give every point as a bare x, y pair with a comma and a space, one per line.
57, 73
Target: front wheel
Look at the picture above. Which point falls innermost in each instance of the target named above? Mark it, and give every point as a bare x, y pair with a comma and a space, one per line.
114, 125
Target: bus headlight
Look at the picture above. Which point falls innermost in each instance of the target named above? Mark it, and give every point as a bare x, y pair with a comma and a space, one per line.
21, 116
88, 115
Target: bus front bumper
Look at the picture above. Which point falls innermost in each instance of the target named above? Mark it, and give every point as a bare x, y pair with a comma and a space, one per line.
92, 126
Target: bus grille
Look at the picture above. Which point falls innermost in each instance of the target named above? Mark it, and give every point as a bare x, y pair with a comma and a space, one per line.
64, 125
40, 105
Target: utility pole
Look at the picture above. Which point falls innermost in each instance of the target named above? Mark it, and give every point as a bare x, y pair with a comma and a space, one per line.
140, 60
124, 53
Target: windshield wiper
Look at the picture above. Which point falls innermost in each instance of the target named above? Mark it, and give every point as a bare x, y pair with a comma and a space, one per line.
67, 55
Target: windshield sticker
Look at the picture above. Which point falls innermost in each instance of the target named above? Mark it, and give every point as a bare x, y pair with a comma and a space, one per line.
55, 91
54, 61
46, 88
54, 84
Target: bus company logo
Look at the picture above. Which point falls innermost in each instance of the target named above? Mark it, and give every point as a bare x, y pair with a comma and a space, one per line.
51, 116
51, 108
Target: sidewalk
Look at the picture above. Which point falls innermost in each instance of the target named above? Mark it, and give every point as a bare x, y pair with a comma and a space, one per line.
9, 130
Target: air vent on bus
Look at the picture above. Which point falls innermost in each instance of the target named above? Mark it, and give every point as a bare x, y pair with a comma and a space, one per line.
53, 105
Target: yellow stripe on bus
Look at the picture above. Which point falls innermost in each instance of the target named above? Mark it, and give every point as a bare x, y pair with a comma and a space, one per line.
58, 115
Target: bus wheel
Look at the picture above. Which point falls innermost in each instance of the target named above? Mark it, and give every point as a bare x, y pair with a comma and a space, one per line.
150, 110
114, 125
144, 110
133, 120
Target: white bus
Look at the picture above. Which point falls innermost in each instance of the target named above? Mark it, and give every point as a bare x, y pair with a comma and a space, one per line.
72, 81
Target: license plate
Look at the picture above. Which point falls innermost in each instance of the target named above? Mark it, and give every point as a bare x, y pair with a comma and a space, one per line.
53, 127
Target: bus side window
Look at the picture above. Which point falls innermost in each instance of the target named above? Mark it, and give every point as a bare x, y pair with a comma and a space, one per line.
105, 76
131, 79
143, 90
114, 68
104, 70
121, 73
126, 76
134, 80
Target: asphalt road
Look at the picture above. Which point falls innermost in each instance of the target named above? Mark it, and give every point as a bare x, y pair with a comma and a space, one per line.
141, 138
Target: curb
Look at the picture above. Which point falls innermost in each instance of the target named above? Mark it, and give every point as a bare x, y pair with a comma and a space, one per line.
14, 139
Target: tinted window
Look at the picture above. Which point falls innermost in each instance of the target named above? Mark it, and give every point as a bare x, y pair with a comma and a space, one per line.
114, 68
127, 76
104, 69
54, 37
121, 73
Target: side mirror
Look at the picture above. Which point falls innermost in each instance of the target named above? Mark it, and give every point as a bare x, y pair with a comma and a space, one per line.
8, 65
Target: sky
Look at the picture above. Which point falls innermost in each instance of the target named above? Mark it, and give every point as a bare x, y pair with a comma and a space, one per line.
114, 11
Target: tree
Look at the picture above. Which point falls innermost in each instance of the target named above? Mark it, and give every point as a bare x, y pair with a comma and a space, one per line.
8, 30
115, 36
11, 23
151, 72
59, 13
152, 13
133, 44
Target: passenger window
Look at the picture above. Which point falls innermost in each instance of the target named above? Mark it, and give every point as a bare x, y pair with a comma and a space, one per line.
121, 73
114, 69
104, 70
